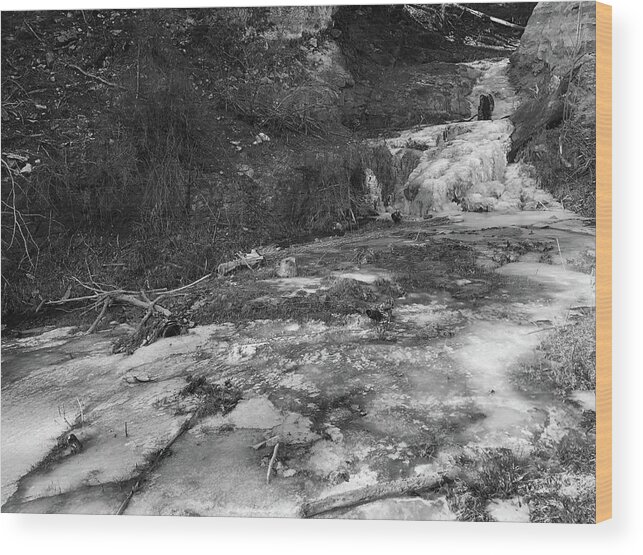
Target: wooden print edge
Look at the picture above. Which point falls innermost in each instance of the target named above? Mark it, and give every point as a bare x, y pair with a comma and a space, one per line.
603, 262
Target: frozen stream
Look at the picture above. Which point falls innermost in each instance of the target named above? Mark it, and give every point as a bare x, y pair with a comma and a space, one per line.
350, 409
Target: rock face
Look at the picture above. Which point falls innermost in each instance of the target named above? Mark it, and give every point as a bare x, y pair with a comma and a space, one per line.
554, 30
406, 95
286, 22
557, 52
282, 93
403, 75
290, 22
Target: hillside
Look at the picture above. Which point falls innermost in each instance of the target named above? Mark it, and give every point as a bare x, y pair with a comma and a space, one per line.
129, 138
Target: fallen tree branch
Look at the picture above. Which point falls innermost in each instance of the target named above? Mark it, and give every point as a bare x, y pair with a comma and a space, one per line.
93, 327
129, 299
252, 259
104, 298
149, 312
373, 493
160, 455
96, 77
73, 299
485, 16
174, 291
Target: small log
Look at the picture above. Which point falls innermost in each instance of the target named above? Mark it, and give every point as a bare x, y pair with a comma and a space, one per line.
373, 493
250, 260
125, 503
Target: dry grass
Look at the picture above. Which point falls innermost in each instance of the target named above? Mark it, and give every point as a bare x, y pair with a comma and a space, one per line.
566, 358
490, 474
556, 481
213, 398
564, 157
146, 194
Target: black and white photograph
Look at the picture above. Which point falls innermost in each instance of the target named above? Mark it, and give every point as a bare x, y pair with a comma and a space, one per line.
309, 261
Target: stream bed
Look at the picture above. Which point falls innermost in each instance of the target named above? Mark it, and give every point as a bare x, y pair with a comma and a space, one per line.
351, 403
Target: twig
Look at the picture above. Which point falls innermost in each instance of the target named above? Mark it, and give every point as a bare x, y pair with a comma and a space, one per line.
34, 33
138, 70
82, 412
562, 260
93, 327
73, 299
272, 462
63, 414
95, 289
19, 224
550, 328
174, 291
263, 443
96, 77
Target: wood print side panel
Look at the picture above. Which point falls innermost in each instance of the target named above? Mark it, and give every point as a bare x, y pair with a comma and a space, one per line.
603, 262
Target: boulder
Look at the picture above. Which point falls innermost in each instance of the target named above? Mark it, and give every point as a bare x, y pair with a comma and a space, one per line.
287, 268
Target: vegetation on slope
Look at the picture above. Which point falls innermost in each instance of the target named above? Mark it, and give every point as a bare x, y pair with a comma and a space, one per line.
127, 135
129, 151
556, 123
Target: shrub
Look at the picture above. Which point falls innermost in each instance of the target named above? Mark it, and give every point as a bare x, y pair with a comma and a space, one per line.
329, 188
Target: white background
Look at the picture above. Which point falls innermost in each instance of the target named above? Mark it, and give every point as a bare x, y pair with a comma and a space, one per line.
26, 534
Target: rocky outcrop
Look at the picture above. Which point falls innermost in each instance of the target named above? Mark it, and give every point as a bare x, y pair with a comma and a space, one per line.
282, 22
407, 95
555, 31
303, 96
290, 22
558, 46
405, 72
